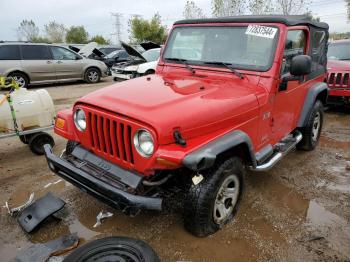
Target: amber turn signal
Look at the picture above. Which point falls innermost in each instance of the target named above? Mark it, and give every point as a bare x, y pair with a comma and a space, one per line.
166, 162
60, 123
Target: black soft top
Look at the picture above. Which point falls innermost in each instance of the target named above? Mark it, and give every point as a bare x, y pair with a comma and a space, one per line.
289, 20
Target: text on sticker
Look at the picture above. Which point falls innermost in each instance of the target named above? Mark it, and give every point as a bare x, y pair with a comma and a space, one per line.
262, 31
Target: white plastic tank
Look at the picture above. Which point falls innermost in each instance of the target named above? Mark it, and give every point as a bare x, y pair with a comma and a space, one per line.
33, 109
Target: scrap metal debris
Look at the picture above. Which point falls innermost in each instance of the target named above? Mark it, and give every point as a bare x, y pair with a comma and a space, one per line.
37, 212
42, 252
16, 210
52, 183
102, 216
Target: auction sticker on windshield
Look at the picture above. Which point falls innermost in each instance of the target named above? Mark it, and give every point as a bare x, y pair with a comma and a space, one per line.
261, 31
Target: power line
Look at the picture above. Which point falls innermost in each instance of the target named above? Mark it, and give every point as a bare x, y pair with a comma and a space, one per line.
117, 25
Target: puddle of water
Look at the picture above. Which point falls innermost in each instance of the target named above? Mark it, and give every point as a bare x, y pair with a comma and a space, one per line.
83, 232
333, 143
335, 229
178, 243
279, 195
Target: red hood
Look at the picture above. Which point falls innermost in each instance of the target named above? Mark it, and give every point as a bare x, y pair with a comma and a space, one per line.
335, 65
193, 105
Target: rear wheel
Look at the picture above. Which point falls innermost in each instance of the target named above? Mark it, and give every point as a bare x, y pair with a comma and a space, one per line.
312, 131
24, 139
92, 75
213, 202
38, 140
21, 79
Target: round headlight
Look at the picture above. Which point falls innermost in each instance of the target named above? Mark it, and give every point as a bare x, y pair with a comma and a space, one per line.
80, 119
144, 143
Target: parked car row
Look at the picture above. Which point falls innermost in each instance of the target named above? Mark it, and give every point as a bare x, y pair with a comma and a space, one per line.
141, 64
30, 63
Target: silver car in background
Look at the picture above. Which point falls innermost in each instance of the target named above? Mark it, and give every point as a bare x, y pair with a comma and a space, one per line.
30, 63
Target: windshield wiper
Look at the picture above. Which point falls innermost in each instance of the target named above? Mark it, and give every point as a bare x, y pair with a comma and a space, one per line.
228, 66
184, 62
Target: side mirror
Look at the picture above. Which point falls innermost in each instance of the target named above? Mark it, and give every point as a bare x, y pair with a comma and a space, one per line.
300, 65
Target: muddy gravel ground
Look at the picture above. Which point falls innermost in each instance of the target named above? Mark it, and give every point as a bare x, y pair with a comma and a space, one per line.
298, 211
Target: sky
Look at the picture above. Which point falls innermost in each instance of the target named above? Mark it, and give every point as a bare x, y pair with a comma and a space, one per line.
95, 15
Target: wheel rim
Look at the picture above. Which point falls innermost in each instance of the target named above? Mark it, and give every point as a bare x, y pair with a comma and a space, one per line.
20, 80
93, 76
118, 253
316, 126
226, 199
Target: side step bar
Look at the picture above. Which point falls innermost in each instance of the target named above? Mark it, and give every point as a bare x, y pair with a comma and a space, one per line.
278, 155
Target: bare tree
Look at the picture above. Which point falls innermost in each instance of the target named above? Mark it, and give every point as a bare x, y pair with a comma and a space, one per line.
28, 30
227, 7
292, 7
55, 32
258, 7
192, 11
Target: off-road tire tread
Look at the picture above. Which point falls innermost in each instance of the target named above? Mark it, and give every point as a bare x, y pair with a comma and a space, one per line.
306, 143
198, 218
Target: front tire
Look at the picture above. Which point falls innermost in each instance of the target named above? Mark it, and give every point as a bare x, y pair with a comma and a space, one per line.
21, 79
92, 76
312, 131
213, 202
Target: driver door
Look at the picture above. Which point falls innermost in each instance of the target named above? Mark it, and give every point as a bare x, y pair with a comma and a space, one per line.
289, 95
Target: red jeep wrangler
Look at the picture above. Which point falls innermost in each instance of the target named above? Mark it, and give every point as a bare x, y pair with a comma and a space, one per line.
339, 72
229, 94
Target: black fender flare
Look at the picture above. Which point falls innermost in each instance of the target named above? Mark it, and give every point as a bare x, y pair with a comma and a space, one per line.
205, 156
310, 99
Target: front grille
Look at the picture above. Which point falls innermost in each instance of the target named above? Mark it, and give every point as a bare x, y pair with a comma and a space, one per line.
339, 80
111, 136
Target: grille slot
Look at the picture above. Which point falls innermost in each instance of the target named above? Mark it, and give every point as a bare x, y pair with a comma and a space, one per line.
338, 80
111, 137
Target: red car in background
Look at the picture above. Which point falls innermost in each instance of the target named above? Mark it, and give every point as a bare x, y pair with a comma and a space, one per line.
339, 71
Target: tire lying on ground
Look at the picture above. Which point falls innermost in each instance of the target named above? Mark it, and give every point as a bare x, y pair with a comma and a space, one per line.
114, 249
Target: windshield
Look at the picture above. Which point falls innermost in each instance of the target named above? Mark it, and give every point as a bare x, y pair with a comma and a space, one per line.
151, 55
339, 51
113, 54
244, 47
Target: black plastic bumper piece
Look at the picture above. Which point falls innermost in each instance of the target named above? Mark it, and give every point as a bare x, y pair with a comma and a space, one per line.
107, 193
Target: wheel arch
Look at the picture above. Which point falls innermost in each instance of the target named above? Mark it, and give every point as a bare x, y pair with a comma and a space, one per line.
19, 71
235, 142
92, 67
318, 91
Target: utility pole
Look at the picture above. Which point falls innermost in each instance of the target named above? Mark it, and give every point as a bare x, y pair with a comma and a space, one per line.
117, 25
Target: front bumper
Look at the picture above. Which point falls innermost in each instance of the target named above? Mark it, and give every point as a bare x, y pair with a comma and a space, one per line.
98, 188
122, 76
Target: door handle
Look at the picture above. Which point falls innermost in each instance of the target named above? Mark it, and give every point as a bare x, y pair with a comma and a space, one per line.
59, 62
48, 62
